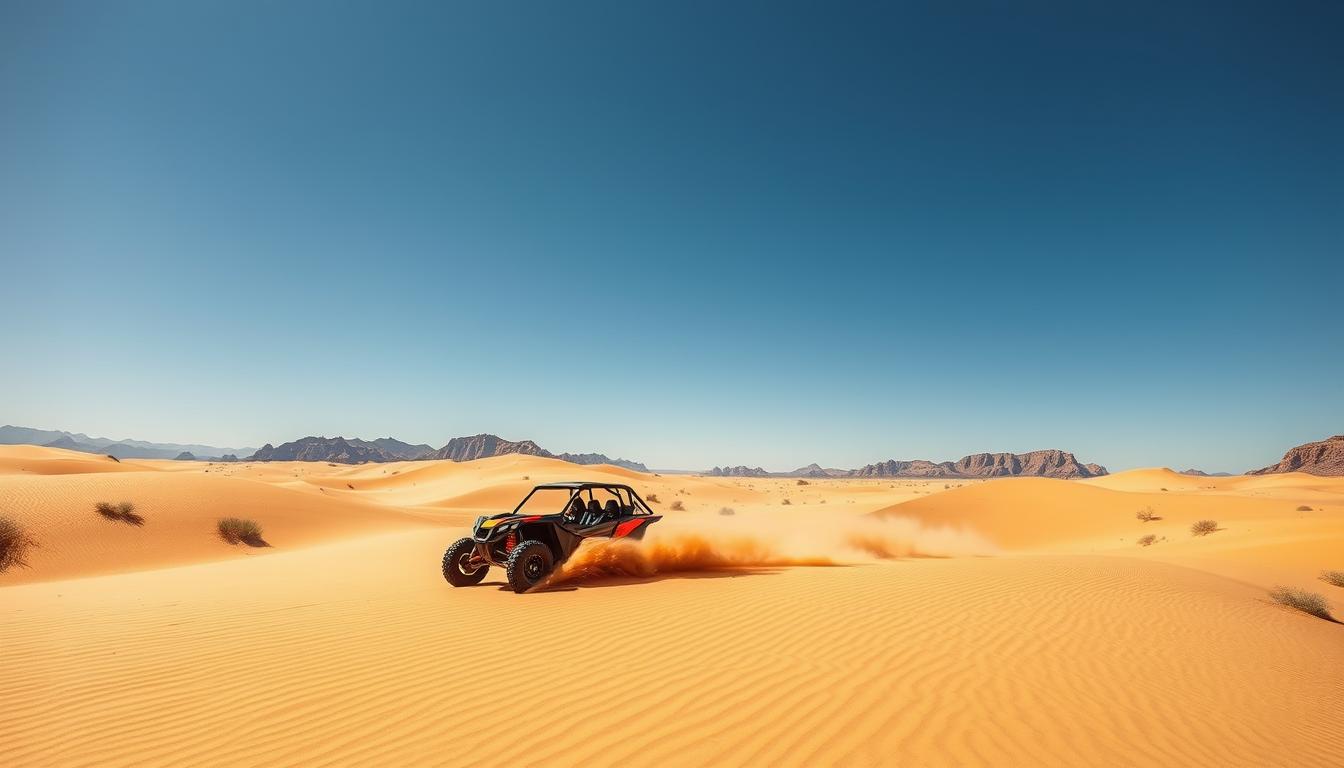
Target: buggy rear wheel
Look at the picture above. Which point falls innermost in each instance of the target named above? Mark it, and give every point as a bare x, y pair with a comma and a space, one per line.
529, 563
457, 568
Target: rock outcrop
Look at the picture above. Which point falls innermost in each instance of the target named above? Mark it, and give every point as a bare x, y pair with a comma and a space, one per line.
1324, 457
1050, 463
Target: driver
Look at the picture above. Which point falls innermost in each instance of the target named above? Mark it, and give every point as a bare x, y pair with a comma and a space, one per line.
576, 509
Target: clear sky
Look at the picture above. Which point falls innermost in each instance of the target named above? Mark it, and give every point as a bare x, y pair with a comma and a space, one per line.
678, 232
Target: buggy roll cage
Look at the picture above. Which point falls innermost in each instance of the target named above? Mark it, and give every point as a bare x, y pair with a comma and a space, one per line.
630, 501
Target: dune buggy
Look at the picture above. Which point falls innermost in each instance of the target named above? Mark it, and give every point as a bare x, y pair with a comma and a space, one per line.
544, 530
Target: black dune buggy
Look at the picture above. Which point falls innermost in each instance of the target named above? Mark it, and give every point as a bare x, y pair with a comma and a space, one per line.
544, 530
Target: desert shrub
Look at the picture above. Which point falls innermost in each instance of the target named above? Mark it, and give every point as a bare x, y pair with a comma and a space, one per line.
677, 506
1333, 577
1147, 541
114, 458
14, 544
786, 502
1302, 600
1146, 515
122, 513
727, 511
1164, 489
803, 482
1304, 508
1203, 527
237, 530
652, 498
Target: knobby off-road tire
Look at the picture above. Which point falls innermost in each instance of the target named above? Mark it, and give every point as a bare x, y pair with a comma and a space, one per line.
529, 564
455, 568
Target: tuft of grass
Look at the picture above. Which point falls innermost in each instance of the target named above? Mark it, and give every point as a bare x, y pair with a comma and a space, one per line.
1302, 600
1147, 541
1304, 508
652, 498
120, 513
786, 502
1203, 527
237, 530
677, 506
727, 511
803, 482
1147, 515
1333, 577
14, 545
1164, 489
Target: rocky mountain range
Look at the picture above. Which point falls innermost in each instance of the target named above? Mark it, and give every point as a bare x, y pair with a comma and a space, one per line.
341, 450
1048, 463
738, 471
1323, 457
484, 446
1051, 463
337, 450
394, 447
122, 449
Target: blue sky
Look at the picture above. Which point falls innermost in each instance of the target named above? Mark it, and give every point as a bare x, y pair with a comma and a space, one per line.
678, 232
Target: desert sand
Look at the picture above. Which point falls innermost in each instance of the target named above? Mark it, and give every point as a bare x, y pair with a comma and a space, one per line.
866, 622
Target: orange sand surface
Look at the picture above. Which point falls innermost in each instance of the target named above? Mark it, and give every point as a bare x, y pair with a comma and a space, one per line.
866, 622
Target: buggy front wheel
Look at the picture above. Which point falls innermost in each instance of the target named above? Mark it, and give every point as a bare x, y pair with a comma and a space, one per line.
457, 567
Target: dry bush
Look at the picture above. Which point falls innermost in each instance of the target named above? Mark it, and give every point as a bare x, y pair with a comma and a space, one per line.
803, 482
1333, 577
1164, 489
1304, 508
1147, 515
1147, 541
652, 498
727, 511
1203, 527
14, 544
122, 513
1302, 600
114, 458
237, 530
677, 506
786, 502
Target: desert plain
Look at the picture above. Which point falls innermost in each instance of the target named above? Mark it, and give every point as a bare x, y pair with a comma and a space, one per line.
762, 622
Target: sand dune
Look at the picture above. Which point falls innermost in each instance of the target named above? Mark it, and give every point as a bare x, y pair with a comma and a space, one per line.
1010, 622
